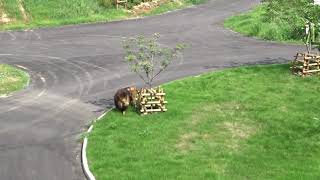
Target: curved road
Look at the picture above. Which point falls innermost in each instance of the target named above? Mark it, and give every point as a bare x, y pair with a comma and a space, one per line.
76, 69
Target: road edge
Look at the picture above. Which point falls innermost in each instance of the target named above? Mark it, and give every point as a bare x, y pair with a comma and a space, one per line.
84, 160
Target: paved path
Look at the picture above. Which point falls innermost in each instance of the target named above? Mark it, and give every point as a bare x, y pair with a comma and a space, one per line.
75, 70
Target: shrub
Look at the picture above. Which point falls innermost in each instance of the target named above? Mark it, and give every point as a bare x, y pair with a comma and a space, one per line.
112, 3
293, 11
107, 3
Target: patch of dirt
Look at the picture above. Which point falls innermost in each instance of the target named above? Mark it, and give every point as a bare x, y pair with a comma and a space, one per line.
12, 79
229, 107
146, 7
4, 17
237, 132
186, 141
226, 133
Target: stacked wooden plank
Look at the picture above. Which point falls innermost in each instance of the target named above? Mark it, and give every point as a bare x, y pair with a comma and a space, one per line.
122, 2
151, 100
306, 64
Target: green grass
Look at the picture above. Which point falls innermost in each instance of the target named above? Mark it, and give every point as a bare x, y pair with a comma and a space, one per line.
244, 123
174, 5
254, 23
51, 13
12, 79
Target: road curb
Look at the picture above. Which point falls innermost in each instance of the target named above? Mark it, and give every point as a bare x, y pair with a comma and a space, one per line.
84, 160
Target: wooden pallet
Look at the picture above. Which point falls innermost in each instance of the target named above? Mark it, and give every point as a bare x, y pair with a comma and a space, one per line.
306, 64
151, 100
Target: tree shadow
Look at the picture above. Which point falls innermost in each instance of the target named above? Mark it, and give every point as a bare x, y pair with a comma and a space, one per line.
103, 103
265, 61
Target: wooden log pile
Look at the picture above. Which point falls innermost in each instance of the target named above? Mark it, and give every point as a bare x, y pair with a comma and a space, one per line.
122, 2
151, 100
306, 64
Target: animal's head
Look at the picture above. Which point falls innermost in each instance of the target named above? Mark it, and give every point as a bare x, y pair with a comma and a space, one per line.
133, 91
125, 100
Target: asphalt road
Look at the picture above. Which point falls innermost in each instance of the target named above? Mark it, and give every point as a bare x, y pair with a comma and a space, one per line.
76, 69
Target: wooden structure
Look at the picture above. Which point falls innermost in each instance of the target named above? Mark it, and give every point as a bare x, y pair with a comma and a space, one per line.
121, 2
306, 64
151, 100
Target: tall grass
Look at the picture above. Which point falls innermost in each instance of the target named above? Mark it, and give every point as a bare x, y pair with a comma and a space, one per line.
11, 9
47, 13
44, 13
56, 9
255, 23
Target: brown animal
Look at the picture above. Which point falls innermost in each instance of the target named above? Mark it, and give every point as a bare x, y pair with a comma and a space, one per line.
124, 97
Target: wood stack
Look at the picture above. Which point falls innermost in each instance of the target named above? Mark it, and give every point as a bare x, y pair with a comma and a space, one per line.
122, 2
151, 100
306, 64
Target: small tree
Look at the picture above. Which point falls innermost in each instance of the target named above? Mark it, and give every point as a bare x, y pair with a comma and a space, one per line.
312, 35
147, 58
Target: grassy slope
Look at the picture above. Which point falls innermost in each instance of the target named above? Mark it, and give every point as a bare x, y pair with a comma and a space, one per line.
173, 5
244, 123
12, 79
252, 23
43, 13
46, 13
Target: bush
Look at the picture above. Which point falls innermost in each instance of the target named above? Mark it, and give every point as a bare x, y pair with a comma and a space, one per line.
132, 3
280, 20
294, 11
107, 3
112, 3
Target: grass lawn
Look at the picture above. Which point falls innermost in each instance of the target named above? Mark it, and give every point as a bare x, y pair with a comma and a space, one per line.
244, 123
51, 13
12, 79
253, 23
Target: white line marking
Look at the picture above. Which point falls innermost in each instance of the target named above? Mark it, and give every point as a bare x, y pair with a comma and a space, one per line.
41, 93
6, 54
85, 165
22, 67
102, 115
90, 128
85, 160
13, 108
43, 79
44, 82
13, 37
38, 36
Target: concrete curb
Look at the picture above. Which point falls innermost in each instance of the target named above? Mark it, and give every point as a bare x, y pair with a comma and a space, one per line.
84, 160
